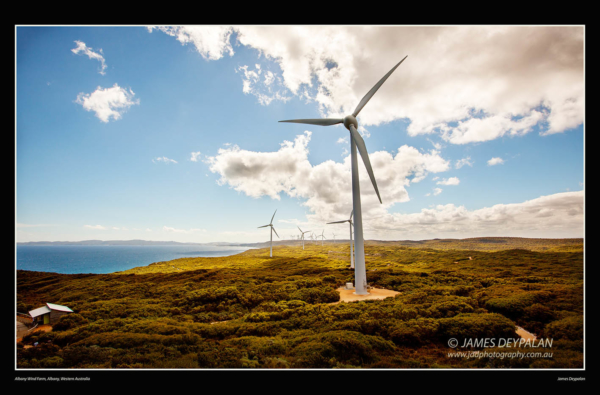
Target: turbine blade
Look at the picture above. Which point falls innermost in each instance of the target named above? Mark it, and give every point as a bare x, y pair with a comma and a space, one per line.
374, 89
264, 226
337, 222
351, 214
273, 216
317, 121
299, 228
360, 144
275, 231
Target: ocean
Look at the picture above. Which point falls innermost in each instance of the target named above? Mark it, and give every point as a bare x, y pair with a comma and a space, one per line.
108, 259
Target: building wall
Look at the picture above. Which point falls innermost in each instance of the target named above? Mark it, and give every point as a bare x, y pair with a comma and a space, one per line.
55, 316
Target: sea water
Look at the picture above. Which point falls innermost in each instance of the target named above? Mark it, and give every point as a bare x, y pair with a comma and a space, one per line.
69, 259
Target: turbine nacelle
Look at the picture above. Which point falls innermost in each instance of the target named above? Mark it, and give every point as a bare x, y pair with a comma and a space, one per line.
350, 120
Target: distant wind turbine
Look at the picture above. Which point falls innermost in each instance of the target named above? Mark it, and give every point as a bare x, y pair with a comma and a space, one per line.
322, 236
302, 236
349, 220
272, 230
350, 122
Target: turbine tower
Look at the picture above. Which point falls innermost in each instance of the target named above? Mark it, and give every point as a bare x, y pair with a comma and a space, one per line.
360, 273
302, 236
350, 224
272, 230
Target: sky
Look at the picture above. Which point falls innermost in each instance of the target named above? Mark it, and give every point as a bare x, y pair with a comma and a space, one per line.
172, 132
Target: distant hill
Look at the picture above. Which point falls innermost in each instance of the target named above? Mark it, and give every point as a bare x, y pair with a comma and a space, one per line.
116, 243
476, 243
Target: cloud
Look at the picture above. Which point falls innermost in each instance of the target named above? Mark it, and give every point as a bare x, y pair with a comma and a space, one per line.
495, 161
466, 83
85, 50
490, 127
437, 191
98, 227
107, 103
195, 156
449, 181
262, 85
324, 188
557, 215
464, 161
174, 230
212, 42
164, 159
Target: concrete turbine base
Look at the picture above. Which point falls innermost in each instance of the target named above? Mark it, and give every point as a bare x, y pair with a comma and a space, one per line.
348, 295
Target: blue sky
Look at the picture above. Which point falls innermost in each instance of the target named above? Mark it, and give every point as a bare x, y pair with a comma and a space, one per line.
171, 133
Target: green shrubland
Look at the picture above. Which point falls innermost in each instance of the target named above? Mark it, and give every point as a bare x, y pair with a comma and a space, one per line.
252, 311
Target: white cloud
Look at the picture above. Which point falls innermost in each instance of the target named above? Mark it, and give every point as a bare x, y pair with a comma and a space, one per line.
164, 159
98, 227
263, 87
468, 83
195, 156
449, 181
85, 50
342, 140
437, 146
107, 103
325, 188
464, 161
557, 215
169, 229
495, 161
490, 127
212, 42
437, 191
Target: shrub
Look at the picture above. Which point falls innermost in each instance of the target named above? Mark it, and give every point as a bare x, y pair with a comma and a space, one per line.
69, 321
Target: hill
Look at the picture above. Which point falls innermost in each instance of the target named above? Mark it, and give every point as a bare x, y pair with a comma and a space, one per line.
249, 310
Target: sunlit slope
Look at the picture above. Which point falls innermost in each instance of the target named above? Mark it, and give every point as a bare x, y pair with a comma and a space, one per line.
452, 255
250, 310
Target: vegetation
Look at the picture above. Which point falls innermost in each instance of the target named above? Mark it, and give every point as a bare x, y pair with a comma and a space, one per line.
252, 311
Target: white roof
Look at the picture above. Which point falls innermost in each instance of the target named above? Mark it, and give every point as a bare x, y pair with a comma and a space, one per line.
40, 311
59, 307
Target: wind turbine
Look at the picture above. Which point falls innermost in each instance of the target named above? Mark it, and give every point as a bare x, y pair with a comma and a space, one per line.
302, 236
333, 237
360, 273
322, 237
349, 220
272, 230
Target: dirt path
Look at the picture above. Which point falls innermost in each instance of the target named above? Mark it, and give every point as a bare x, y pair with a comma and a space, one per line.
21, 330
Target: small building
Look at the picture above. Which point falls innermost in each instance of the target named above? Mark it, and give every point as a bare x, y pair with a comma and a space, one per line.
49, 314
